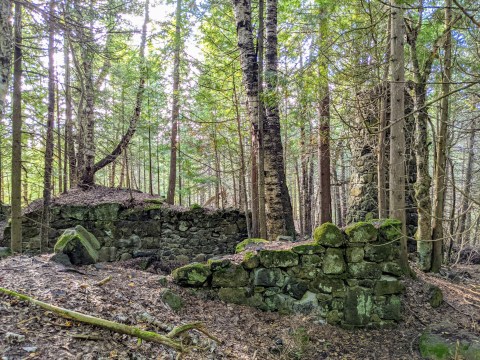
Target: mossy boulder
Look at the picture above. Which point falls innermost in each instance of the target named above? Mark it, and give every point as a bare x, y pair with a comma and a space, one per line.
392, 268
435, 296
295, 289
388, 229
308, 249
328, 235
278, 258
195, 274
171, 299
307, 304
333, 262
250, 260
281, 303
231, 276
388, 285
361, 232
358, 306
268, 277
379, 252
250, 243
328, 286
79, 245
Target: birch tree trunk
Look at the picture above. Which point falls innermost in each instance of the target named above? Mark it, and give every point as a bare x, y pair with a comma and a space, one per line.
397, 135
16, 197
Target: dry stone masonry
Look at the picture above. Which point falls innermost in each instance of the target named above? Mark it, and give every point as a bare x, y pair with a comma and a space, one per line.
348, 277
171, 234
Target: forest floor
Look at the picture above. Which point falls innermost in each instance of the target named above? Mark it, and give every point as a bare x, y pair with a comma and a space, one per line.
245, 333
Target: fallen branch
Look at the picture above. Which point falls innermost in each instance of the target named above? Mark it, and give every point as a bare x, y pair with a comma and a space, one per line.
167, 340
104, 281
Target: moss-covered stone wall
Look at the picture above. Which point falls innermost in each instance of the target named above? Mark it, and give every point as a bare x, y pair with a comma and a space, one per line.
348, 277
172, 234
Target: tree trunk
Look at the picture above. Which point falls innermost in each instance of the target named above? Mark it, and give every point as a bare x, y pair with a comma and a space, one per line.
441, 149
397, 135
175, 106
16, 197
278, 204
47, 174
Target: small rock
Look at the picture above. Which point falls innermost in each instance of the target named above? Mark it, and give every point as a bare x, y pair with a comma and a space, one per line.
173, 301
30, 349
435, 296
62, 259
121, 318
13, 338
125, 256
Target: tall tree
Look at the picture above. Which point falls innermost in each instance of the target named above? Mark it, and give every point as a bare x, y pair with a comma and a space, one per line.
175, 105
278, 204
48, 161
441, 147
16, 198
397, 122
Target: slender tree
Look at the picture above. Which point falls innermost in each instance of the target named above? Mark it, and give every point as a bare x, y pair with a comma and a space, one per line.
16, 198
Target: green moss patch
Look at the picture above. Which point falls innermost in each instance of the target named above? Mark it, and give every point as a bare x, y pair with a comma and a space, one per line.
80, 245
278, 258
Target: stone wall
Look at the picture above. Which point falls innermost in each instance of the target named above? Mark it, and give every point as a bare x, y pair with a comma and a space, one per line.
172, 234
346, 277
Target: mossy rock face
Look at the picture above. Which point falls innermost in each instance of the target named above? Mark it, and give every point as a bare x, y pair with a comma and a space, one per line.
311, 260
278, 258
250, 243
79, 245
250, 260
216, 264
328, 286
295, 289
388, 285
365, 270
380, 252
280, 302
268, 277
231, 276
333, 262
173, 301
308, 272
106, 212
328, 235
308, 249
388, 229
391, 309
392, 268
355, 254
307, 304
361, 232
234, 295
358, 306
75, 212
195, 274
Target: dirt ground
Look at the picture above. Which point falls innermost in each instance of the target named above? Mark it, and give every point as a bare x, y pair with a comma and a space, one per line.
245, 333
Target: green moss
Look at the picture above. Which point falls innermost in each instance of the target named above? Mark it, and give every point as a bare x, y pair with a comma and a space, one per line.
249, 243
361, 232
388, 229
195, 207
157, 201
216, 264
233, 295
4, 252
195, 274
333, 262
328, 234
388, 285
278, 258
232, 276
174, 301
250, 260
432, 347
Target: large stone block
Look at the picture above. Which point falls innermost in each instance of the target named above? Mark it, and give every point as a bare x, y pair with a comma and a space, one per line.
278, 258
365, 270
231, 276
268, 277
358, 306
361, 232
194, 274
388, 285
333, 262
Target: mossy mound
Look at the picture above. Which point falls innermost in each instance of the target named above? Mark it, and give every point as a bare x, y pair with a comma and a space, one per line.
79, 245
362, 232
250, 243
4, 252
437, 347
388, 229
329, 235
195, 274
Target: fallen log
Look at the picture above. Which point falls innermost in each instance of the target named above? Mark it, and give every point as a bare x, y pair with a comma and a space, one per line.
167, 340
